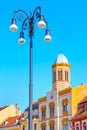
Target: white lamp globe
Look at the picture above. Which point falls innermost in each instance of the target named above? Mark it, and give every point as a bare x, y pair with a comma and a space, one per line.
47, 38
21, 40
41, 24
13, 28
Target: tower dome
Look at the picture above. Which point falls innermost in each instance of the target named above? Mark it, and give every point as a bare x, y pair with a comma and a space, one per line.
61, 73
61, 58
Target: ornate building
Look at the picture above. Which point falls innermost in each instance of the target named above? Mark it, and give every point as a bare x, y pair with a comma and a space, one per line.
60, 104
56, 109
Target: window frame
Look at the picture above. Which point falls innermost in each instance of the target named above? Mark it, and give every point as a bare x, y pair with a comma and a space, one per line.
52, 127
59, 75
54, 76
65, 107
65, 126
66, 76
23, 127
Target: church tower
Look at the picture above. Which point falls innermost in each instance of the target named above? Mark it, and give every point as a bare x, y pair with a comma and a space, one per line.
61, 73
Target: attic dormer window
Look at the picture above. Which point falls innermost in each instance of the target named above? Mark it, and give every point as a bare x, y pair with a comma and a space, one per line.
15, 121
86, 108
5, 123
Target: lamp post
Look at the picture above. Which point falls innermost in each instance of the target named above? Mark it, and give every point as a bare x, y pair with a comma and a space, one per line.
28, 22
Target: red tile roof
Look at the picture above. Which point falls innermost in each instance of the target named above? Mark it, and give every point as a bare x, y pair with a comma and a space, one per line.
84, 100
81, 112
11, 121
81, 116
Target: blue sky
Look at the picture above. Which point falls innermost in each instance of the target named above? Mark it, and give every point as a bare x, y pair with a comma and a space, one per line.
68, 24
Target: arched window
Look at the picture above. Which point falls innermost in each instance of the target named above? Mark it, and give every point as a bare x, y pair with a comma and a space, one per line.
51, 127
51, 106
66, 76
65, 126
54, 76
65, 106
51, 124
35, 126
23, 127
60, 75
65, 122
43, 126
43, 112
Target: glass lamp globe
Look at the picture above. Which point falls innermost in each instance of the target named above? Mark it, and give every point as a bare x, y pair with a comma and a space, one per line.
13, 28
41, 24
47, 37
21, 40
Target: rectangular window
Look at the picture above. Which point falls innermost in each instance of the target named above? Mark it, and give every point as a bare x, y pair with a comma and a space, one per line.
77, 128
23, 127
51, 127
44, 127
35, 126
59, 75
44, 113
51, 110
64, 108
54, 76
84, 128
66, 75
65, 127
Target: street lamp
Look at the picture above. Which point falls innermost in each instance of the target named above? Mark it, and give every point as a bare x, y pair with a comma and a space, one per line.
28, 22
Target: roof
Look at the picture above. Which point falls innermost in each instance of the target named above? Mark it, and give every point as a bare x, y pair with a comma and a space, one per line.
1, 108
80, 115
78, 94
65, 91
11, 121
35, 105
81, 112
83, 100
61, 58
